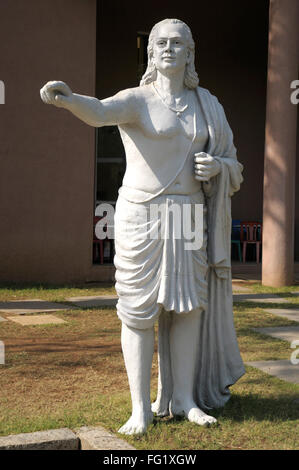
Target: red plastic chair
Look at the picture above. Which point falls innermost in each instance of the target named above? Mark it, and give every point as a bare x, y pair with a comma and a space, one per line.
98, 244
251, 233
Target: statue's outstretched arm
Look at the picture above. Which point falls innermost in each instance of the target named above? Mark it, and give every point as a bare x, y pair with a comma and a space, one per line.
119, 109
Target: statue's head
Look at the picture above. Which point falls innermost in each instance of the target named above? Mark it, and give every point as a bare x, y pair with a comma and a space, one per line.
185, 55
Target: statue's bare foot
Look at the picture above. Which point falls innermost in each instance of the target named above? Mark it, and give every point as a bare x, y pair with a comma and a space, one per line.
138, 423
196, 415
160, 408
192, 413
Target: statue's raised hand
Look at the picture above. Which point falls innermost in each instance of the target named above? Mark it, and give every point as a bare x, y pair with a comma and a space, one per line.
57, 93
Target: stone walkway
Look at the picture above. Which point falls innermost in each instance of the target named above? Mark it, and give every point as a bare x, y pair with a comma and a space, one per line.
97, 438
286, 333
54, 439
23, 307
94, 301
289, 313
295, 293
260, 298
85, 438
37, 319
241, 289
22, 311
283, 369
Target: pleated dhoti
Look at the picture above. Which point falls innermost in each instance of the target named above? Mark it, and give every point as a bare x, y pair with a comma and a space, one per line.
157, 265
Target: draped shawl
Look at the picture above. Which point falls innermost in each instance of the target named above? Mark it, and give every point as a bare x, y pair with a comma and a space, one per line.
219, 363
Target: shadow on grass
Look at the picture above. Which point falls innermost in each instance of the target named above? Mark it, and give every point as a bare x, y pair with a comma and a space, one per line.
96, 307
54, 347
258, 336
253, 407
250, 408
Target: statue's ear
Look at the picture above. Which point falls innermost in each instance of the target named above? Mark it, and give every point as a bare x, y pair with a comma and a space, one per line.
188, 57
151, 58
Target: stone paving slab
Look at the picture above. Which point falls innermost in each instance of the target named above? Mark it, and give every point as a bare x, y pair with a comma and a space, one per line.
97, 438
21, 307
239, 280
36, 320
287, 333
54, 439
241, 289
263, 298
94, 301
282, 369
289, 313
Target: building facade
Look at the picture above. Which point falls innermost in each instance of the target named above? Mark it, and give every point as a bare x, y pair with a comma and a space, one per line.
54, 169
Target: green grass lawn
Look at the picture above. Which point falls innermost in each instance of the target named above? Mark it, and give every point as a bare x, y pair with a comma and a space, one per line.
72, 374
52, 293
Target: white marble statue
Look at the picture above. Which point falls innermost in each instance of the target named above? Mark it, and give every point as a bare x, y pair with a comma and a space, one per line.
179, 151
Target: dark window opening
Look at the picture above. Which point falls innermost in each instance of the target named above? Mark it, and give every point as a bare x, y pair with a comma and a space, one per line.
110, 153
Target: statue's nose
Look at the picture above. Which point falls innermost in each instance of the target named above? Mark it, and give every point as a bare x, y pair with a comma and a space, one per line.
168, 46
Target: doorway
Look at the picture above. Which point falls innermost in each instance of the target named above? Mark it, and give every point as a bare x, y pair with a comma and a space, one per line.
231, 41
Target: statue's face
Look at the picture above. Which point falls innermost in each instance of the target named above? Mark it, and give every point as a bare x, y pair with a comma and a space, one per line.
170, 49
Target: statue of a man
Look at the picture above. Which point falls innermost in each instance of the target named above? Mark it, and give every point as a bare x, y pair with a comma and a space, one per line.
180, 152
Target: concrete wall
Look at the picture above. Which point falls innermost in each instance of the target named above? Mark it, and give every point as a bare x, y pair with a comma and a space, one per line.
46, 155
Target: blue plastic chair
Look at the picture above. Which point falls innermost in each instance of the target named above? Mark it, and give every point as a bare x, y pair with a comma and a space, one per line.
236, 235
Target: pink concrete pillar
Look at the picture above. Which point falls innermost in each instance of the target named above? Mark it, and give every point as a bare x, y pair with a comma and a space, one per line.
280, 145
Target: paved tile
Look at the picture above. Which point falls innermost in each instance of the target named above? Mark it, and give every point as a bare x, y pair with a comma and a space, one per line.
287, 333
290, 313
283, 369
97, 438
21, 307
94, 301
37, 320
260, 298
241, 289
54, 439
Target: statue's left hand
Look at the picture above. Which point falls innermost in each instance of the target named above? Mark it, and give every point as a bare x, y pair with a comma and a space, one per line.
206, 166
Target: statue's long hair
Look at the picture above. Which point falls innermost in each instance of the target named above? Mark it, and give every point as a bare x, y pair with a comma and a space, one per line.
191, 77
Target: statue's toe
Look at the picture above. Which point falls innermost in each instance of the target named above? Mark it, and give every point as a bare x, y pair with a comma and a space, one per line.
137, 424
